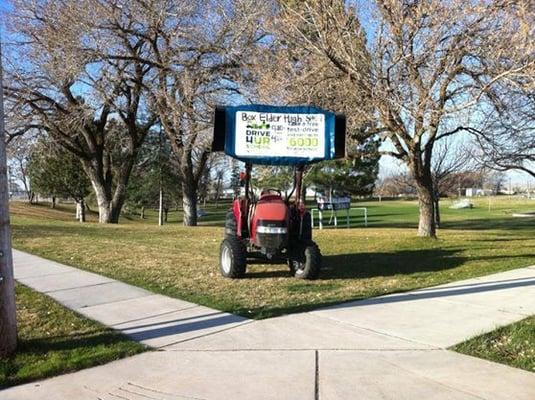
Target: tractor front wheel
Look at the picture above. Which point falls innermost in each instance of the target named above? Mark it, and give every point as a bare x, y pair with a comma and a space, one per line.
232, 258
305, 261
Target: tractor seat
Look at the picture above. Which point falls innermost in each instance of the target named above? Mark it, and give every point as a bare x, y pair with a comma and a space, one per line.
269, 197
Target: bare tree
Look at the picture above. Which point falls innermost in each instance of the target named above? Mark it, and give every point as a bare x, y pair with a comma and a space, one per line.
432, 62
8, 315
19, 149
201, 52
395, 185
507, 140
507, 134
219, 176
449, 159
297, 73
82, 83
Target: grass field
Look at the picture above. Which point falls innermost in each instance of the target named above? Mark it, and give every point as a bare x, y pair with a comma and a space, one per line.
55, 340
513, 345
360, 262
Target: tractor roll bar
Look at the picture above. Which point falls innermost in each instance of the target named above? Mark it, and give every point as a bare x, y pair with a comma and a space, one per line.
248, 168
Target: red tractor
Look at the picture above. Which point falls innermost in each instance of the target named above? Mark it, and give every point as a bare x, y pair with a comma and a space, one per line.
271, 227
274, 227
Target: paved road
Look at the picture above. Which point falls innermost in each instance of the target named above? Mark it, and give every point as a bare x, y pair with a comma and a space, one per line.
391, 347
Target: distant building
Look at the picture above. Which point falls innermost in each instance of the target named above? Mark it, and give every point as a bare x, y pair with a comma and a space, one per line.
475, 192
15, 191
227, 194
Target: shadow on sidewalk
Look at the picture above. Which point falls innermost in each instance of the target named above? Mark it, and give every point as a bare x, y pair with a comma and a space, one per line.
163, 327
418, 294
443, 292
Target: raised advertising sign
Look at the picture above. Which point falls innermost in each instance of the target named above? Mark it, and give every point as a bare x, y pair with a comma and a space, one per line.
273, 135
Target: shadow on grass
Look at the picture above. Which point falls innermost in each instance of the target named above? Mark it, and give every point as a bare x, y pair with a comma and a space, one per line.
503, 223
72, 342
50, 356
369, 265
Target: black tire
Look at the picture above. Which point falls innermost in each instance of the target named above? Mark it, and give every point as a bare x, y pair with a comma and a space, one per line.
305, 261
306, 229
232, 258
231, 227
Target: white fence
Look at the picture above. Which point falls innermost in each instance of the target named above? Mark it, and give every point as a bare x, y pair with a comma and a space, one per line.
334, 215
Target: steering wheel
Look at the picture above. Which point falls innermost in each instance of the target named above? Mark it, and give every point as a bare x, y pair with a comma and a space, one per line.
270, 190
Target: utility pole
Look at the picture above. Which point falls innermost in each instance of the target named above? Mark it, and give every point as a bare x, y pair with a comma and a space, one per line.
8, 315
160, 203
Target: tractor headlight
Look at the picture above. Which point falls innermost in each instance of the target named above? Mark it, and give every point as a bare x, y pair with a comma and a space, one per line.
271, 229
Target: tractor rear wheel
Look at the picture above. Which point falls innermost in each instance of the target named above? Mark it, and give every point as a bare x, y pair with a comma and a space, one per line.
305, 261
232, 258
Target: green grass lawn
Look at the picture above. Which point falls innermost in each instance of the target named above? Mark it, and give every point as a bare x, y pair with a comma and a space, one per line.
54, 340
360, 262
513, 345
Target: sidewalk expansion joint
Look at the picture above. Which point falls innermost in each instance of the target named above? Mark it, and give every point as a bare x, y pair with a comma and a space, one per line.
44, 275
246, 322
317, 375
375, 331
151, 316
139, 296
485, 307
81, 287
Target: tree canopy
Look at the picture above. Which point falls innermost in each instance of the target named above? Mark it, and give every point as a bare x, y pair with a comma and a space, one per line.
56, 172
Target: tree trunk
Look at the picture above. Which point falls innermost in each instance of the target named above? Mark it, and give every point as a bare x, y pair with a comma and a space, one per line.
8, 314
108, 209
102, 193
119, 195
189, 204
437, 211
142, 213
160, 209
80, 210
165, 213
104, 213
426, 224
53, 204
110, 202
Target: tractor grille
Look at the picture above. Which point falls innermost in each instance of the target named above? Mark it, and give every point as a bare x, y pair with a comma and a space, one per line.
271, 234
273, 241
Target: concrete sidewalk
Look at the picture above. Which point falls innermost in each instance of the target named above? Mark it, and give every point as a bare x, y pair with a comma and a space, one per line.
390, 347
149, 318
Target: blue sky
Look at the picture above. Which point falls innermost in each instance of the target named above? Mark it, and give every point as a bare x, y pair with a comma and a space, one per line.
388, 165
